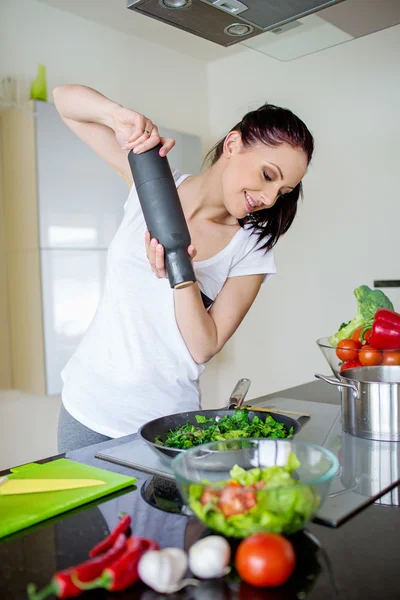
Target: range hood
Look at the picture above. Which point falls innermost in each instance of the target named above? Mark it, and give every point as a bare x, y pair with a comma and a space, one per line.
228, 22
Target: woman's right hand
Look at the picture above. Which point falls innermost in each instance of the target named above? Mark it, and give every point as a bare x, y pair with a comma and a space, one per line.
136, 132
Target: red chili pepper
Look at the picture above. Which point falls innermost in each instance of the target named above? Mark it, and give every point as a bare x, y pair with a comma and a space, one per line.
62, 584
385, 333
122, 527
123, 572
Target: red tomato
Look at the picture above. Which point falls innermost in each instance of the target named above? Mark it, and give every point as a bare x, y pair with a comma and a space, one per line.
209, 494
369, 356
347, 349
356, 335
258, 485
350, 364
234, 484
391, 357
235, 501
265, 560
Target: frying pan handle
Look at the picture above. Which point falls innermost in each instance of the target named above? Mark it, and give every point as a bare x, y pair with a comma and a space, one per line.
302, 421
239, 393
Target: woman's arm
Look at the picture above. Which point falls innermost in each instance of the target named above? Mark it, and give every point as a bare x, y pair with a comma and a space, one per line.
107, 127
206, 333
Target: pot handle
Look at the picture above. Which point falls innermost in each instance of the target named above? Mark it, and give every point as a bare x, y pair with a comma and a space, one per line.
334, 381
239, 393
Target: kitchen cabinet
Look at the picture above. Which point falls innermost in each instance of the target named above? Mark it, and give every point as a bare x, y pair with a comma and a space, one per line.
5, 353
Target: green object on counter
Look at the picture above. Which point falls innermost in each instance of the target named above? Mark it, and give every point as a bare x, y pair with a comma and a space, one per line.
24, 510
39, 85
227, 428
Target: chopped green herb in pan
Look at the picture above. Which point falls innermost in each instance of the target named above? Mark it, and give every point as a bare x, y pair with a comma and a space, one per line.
237, 426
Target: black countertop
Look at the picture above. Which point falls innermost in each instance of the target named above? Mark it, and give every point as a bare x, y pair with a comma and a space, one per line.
357, 560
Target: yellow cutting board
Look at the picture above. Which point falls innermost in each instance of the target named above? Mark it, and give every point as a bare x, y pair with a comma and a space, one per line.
23, 510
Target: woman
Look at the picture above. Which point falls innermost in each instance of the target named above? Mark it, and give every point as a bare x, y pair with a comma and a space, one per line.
147, 345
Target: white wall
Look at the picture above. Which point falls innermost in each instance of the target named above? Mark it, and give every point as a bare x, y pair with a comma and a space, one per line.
169, 86
347, 231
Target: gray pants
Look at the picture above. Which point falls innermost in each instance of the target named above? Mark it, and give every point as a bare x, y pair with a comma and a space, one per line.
72, 435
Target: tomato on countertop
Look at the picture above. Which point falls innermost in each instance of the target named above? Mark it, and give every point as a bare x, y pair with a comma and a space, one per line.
265, 560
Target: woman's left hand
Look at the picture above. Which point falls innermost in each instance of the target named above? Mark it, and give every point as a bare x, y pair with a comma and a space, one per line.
155, 254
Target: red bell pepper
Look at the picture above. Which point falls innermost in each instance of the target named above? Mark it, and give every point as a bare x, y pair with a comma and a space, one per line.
385, 333
62, 584
123, 572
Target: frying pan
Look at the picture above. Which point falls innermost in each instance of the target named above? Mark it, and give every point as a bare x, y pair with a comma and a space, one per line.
149, 431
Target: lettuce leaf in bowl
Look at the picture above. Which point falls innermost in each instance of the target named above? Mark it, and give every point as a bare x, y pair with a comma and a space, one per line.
273, 476
279, 502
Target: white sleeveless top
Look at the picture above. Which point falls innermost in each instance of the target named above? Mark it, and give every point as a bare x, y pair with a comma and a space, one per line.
133, 364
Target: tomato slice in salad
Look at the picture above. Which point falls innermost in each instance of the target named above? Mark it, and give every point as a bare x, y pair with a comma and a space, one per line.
235, 501
210, 494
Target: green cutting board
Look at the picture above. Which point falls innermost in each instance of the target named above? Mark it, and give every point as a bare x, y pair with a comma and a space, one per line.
24, 510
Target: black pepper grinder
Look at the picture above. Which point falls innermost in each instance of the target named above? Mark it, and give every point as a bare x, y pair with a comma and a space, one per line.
162, 211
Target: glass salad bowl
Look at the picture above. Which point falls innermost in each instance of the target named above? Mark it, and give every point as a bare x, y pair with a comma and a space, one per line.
246, 486
330, 355
350, 358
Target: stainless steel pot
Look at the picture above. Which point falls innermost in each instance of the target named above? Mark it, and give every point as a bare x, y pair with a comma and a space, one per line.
370, 401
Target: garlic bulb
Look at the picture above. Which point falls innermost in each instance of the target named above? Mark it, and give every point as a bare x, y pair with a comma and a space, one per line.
163, 570
209, 558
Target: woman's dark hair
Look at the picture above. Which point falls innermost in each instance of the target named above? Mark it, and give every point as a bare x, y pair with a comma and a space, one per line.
271, 125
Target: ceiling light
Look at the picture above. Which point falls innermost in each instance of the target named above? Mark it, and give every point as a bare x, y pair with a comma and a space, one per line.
175, 3
238, 29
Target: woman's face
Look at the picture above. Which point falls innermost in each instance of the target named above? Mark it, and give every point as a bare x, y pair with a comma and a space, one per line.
254, 178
